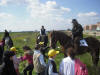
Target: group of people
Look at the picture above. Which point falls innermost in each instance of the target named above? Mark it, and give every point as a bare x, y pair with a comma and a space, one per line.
36, 59
68, 66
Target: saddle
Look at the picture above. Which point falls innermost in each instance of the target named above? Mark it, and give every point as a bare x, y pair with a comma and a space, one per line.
83, 42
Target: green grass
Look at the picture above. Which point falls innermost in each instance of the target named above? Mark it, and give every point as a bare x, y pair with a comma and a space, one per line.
18, 39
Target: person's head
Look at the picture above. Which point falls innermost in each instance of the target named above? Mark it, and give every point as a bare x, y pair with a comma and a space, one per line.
75, 22
70, 52
43, 27
13, 49
6, 33
26, 48
37, 47
52, 53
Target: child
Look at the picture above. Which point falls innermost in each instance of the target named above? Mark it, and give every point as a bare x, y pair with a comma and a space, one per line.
15, 60
51, 67
70, 65
28, 55
39, 64
8, 67
43, 49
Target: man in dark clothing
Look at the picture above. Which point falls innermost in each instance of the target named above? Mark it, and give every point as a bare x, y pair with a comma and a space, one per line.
43, 31
8, 66
1, 51
77, 30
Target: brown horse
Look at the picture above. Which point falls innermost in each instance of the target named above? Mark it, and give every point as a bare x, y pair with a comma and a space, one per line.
65, 41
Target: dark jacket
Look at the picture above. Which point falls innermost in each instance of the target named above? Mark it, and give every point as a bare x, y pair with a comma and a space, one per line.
77, 31
8, 67
42, 31
54, 67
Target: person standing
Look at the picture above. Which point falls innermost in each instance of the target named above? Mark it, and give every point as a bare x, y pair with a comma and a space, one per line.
67, 64
8, 66
38, 61
72, 66
16, 61
28, 55
51, 66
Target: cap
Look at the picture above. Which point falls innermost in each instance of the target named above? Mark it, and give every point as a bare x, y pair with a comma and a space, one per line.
13, 49
52, 52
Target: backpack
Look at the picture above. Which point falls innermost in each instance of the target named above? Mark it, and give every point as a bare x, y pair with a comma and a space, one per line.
37, 65
80, 68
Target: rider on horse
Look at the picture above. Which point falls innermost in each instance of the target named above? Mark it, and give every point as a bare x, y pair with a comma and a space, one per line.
77, 30
42, 37
7, 39
43, 31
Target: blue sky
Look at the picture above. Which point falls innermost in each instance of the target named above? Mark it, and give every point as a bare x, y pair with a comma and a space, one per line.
26, 15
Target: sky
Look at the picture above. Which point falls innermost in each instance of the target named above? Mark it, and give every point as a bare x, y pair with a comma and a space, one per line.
30, 15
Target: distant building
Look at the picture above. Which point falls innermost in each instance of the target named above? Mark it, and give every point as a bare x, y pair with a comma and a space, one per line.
92, 27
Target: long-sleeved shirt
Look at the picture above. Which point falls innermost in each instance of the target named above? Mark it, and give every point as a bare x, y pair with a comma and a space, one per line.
16, 62
67, 66
50, 70
41, 57
27, 57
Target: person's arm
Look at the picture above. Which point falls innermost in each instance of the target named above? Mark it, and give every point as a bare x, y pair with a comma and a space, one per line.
61, 68
50, 71
41, 58
23, 58
15, 60
79, 29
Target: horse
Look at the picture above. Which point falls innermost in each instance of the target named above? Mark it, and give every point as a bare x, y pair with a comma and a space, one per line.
65, 41
1, 51
42, 38
7, 39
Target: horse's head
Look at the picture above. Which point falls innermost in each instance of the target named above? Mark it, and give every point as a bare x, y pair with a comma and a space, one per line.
53, 39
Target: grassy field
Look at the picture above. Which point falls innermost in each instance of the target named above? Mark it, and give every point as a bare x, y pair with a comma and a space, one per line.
29, 38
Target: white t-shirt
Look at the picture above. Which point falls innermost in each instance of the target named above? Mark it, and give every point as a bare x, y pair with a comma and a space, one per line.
67, 66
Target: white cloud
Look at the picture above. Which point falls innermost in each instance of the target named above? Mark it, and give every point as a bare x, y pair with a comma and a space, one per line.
8, 2
48, 9
5, 16
49, 14
88, 18
3, 2
89, 14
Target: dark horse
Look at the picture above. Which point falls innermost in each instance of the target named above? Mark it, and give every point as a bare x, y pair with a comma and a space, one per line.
7, 39
42, 38
65, 41
1, 51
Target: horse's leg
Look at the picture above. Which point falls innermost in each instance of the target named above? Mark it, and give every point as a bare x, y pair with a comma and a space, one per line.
95, 57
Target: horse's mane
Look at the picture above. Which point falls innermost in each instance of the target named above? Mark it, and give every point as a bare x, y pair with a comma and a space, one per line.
60, 33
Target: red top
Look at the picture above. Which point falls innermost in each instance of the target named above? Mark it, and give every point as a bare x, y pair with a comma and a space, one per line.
28, 57
1, 43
